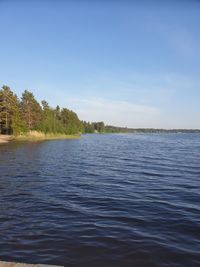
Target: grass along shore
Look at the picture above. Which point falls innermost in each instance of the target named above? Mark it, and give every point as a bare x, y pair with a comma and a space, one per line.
37, 136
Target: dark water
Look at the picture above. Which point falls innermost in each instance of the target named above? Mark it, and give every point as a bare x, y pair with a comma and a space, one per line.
103, 200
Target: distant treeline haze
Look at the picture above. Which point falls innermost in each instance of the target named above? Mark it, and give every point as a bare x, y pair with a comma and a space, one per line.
21, 115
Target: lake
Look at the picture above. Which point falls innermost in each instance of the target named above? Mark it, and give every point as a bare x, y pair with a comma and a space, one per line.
113, 200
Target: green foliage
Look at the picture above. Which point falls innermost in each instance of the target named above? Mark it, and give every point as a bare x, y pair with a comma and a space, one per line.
88, 127
94, 127
31, 110
26, 115
70, 121
10, 113
99, 127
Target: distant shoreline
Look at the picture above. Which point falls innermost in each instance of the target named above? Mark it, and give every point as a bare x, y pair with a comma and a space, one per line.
116, 129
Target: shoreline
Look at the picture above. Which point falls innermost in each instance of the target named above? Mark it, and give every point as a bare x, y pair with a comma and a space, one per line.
4, 139
34, 136
45, 137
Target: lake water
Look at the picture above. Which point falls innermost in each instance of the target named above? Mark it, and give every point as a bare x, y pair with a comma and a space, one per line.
104, 200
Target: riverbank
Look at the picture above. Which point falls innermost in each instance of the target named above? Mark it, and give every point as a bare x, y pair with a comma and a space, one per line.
5, 138
36, 136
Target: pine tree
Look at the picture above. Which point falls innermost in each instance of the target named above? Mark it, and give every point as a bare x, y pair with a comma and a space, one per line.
31, 110
10, 117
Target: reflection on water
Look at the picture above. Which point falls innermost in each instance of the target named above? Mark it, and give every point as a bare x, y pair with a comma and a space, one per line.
103, 200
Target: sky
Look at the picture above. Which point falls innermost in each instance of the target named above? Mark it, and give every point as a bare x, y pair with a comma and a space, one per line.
127, 63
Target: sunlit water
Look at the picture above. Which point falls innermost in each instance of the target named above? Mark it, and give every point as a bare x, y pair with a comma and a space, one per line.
103, 200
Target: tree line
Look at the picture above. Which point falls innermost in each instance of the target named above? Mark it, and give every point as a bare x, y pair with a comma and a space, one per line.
114, 129
25, 114
21, 115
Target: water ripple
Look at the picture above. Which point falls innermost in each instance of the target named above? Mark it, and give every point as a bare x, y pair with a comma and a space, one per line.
103, 200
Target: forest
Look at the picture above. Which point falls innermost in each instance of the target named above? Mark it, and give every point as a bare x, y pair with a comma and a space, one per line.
22, 115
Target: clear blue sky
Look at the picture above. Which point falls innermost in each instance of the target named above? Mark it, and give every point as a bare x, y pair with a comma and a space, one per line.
129, 63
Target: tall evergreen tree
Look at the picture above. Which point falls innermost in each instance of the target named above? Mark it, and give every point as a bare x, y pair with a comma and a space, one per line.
31, 110
10, 116
48, 123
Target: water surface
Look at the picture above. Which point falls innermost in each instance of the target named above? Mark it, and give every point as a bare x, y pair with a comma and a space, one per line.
103, 200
